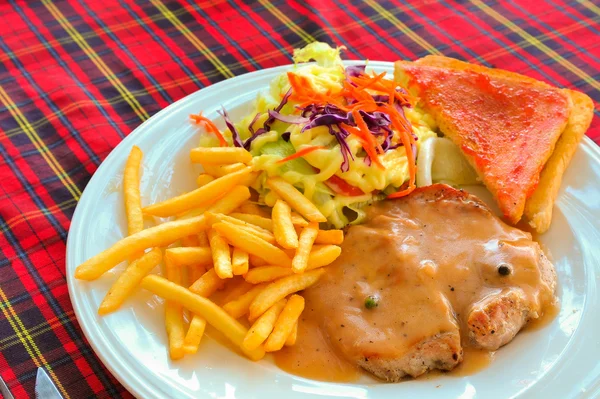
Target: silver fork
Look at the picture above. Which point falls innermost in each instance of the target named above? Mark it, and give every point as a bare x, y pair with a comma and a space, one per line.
44, 387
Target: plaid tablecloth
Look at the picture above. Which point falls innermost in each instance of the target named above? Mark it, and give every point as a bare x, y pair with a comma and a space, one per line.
78, 76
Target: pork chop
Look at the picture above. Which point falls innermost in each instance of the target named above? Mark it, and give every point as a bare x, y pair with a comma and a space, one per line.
425, 276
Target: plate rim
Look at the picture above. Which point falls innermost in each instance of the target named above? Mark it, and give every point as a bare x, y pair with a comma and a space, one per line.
130, 380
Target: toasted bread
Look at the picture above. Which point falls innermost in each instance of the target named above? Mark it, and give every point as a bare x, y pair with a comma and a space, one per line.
506, 124
538, 208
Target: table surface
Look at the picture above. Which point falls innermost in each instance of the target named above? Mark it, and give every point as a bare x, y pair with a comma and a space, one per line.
77, 76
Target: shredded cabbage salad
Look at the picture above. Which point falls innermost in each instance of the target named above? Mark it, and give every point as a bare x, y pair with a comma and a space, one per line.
344, 136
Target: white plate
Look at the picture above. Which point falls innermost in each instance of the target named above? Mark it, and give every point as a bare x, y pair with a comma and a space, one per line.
558, 361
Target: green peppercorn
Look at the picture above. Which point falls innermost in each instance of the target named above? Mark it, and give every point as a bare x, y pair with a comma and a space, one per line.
371, 302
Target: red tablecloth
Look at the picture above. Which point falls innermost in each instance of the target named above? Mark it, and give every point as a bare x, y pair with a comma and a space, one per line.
78, 76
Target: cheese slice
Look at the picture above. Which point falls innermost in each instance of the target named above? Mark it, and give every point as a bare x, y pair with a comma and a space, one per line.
507, 125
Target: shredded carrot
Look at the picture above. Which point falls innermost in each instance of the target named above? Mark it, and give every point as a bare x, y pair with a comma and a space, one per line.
360, 123
407, 140
372, 82
366, 140
304, 93
210, 127
359, 88
301, 153
402, 193
300, 84
375, 83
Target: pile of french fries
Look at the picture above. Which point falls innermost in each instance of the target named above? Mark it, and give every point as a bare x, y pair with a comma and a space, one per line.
225, 259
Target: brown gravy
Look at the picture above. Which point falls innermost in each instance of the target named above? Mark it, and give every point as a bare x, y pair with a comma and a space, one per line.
428, 263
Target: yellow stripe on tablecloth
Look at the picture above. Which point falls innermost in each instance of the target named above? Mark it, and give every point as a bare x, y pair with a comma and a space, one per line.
200, 46
28, 216
307, 37
39, 144
590, 6
28, 342
54, 43
403, 28
131, 100
37, 330
537, 43
500, 51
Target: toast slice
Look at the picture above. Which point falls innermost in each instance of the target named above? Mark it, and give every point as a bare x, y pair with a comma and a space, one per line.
538, 208
506, 124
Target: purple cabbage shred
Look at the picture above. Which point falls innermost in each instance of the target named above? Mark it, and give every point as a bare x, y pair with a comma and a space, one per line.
291, 119
252, 122
235, 135
267, 125
354, 71
313, 115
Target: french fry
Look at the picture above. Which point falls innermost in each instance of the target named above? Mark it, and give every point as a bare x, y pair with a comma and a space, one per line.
203, 179
253, 209
231, 200
326, 237
295, 199
256, 220
213, 314
212, 218
236, 289
187, 256
157, 236
207, 284
131, 191
281, 288
220, 255
199, 197
239, 262
234, 198
194, 334
299, 220
270, 198
283, 228
239, 307
190, 241
252, 244
320, 255
174, 326
196, 271
291, 339
285, 323
204, 285
195, 259
129, 280
261, 233
260, 330
290, 252
256, 261
250, 179
266, 273
174, 315
220, 171
203, 239
219, 155
131, 194
323, 255
305, 243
